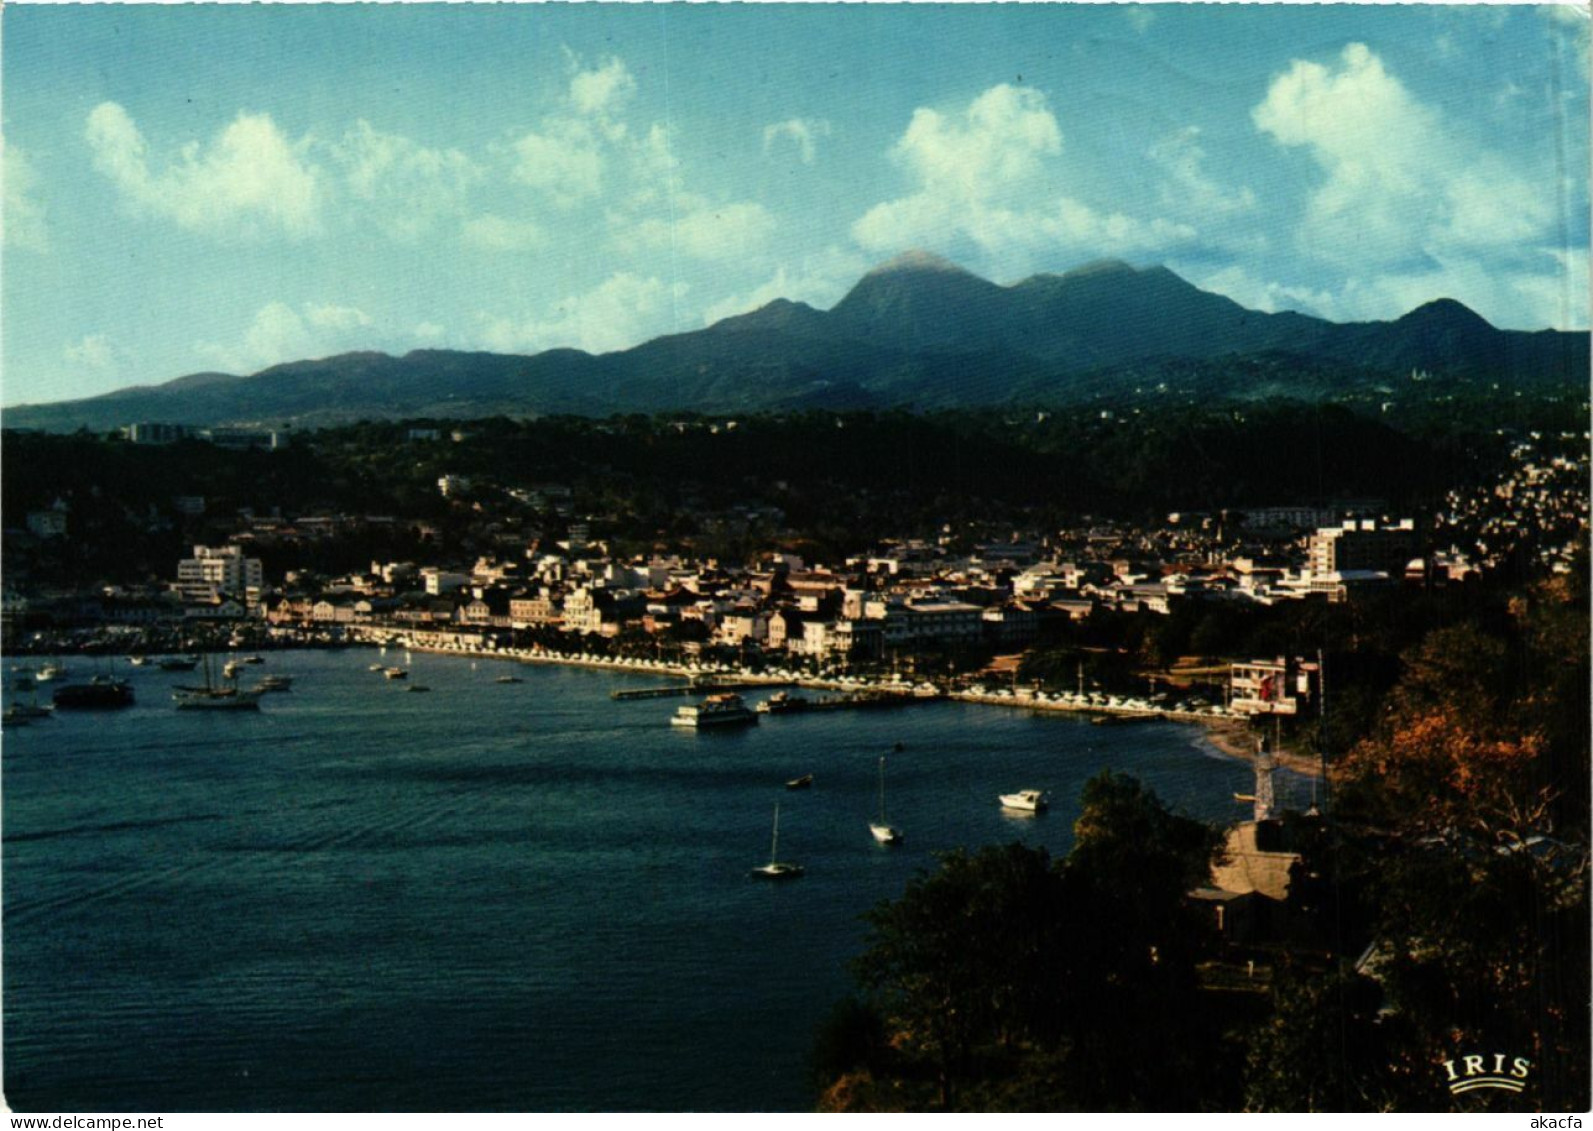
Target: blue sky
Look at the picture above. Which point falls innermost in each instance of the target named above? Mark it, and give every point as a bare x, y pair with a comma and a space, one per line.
224, 188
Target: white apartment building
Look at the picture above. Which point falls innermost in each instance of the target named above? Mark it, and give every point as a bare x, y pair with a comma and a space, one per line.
214, 571
441, 581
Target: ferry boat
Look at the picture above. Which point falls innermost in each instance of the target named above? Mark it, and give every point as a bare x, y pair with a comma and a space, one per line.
724, 709
1025, 800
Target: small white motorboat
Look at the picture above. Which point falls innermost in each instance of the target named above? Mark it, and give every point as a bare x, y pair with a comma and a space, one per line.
1025, 800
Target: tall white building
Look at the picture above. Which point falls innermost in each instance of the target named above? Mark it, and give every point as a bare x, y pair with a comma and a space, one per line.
214, 571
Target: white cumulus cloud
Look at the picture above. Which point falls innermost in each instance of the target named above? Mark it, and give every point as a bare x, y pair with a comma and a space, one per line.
93, 352
971, 170
989, 175
567, 155
819, 280
704, 231
1076, 225
1399, 184
24, 216
1189, 187
601, 91
996, 145
620, 312
565, 160
594, 162
405, 188
248, 181
332, 317
280, 333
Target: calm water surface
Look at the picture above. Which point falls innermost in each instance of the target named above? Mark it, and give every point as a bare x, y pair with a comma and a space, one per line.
493, 896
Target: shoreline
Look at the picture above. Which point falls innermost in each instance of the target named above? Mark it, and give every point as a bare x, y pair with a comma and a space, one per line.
1227, 736
1234, 739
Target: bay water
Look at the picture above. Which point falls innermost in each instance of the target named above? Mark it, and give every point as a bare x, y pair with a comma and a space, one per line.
494, 896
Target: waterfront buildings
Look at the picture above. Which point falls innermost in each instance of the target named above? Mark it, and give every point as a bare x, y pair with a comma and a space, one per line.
1282, 686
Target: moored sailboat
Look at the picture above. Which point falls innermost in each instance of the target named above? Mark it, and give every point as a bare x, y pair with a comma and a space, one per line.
883, 830
228, 697
774, 869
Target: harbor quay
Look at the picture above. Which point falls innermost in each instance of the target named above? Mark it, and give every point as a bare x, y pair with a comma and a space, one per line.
714, 678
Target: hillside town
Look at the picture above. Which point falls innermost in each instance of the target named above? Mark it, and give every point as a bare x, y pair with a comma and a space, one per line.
535, 570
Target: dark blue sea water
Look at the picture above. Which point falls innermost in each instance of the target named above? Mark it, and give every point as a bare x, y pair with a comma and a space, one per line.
493, 896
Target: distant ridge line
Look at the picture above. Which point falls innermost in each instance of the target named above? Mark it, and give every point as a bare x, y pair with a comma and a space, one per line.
916, 332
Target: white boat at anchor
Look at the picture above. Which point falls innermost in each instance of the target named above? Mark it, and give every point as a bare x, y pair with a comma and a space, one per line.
1025, 801
883, 830
774, 869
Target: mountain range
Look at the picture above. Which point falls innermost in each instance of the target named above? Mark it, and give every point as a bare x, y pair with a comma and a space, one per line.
917, 332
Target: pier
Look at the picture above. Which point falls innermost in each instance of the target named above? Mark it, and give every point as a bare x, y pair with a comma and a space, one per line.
713, 687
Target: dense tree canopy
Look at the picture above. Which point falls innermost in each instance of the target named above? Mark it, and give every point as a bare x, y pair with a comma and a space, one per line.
1009, 980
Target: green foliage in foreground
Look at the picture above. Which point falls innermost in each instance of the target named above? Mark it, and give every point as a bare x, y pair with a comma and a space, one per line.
1009, 981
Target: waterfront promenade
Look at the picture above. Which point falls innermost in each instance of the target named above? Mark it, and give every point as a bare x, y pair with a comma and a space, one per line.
1226, 731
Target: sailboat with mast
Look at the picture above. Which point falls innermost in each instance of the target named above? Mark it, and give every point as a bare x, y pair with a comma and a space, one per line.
883, 830
226, 697
774, 869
